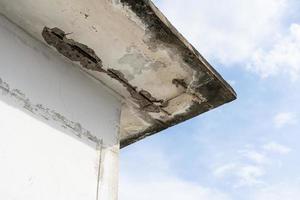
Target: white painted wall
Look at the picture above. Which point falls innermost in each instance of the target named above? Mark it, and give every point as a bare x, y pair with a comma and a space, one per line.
65, 143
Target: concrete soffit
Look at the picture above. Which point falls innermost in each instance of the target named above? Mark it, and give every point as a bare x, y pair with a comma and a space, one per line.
132, 48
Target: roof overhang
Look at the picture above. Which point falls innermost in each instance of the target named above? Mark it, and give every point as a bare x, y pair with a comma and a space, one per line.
132, 48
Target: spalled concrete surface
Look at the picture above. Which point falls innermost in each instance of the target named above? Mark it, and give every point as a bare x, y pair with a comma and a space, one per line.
129, 46
88, 60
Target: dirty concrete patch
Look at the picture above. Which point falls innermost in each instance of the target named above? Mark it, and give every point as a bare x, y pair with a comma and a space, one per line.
138, 63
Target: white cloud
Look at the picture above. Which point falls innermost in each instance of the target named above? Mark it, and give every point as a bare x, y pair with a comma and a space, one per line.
222, 171
241, 174
166, 188
274, 147
250, 175
254, 156
279, 192
243, 32
218, 33
285, 118
146, 174
283, 57
251, 166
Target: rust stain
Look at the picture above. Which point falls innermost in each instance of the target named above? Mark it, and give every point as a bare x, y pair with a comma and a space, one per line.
87, 58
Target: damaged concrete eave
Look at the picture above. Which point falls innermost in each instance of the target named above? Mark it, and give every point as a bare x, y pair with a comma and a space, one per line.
131, 47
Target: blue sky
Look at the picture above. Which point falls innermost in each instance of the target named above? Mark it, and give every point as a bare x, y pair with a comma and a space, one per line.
248, 149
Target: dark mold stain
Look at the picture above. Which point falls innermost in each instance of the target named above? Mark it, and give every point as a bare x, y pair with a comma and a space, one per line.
180, 82
166, 34
87, 58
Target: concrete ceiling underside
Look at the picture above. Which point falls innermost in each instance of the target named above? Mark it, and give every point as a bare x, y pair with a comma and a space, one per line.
132, 48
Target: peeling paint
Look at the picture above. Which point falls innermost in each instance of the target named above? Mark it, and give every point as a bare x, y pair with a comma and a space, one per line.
46, 113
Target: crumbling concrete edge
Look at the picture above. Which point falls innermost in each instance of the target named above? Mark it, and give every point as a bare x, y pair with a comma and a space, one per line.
161, 31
